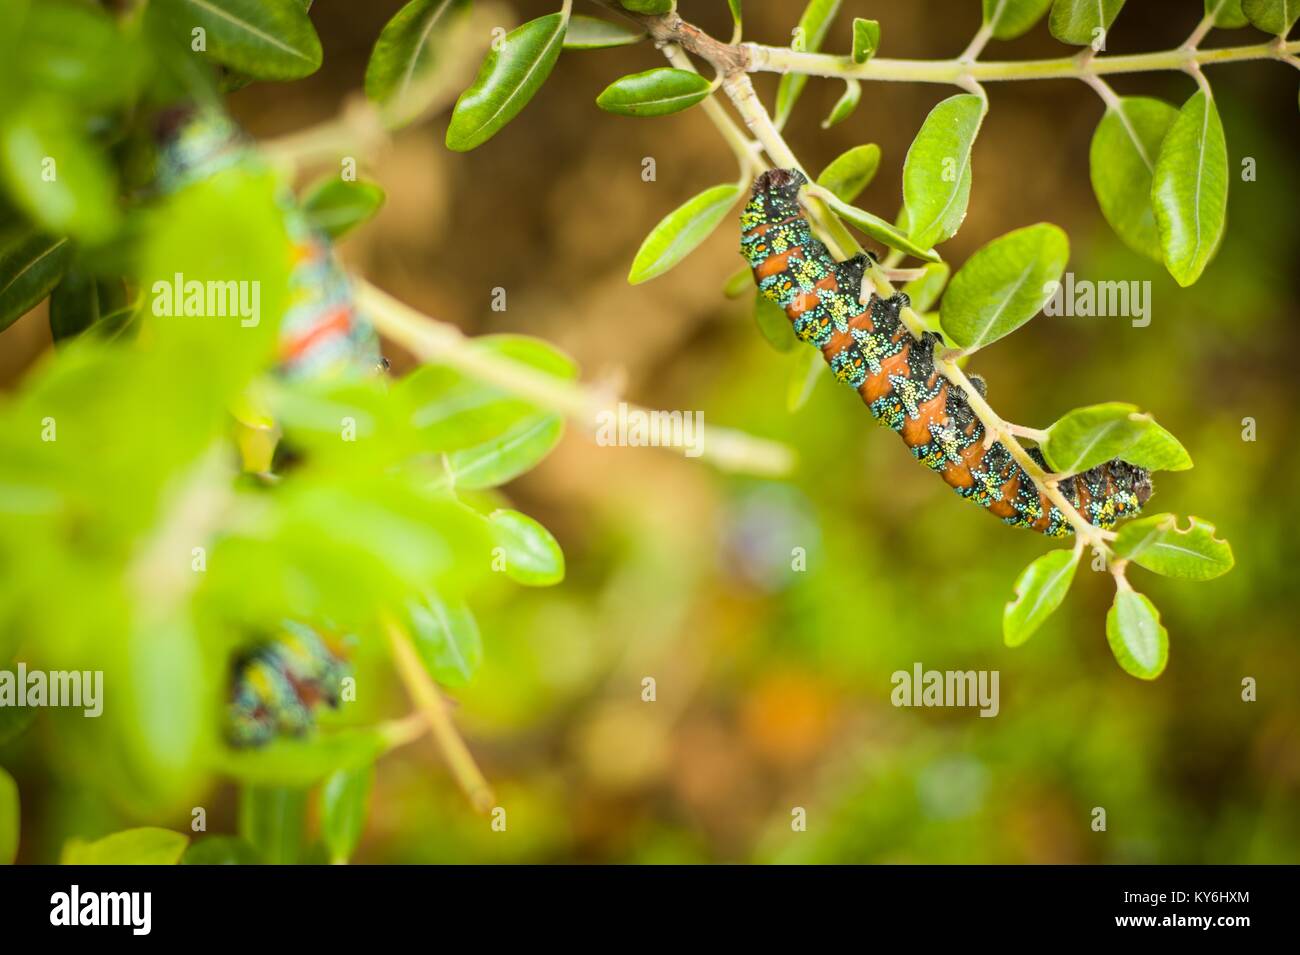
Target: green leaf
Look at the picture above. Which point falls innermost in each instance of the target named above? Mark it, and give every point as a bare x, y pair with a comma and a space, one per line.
147, 846
736, 18
866, 39
654, 93
407, 50
504, 458
1158, 544
336, 206
343, 801
739, 282
592, 33
1158, 450
31, 265
1086, 437
507, 80
74, 306
809, 34
57, 175
303, 762
221, 850
1003, 285
447, 639
876, 227
851, 172
1121, 162
773, 323
1135, 635
1040, 589
272, 819
925, 291
805, 370
532, 556
79, 52
1227, 14
651, 7
678, 233
1083, 22
937, 170
1012, 18
9, 818
264, 39
845, 105
1190, 189
1272, 16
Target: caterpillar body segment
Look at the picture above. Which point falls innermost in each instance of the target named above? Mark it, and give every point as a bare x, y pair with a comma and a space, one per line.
868, 348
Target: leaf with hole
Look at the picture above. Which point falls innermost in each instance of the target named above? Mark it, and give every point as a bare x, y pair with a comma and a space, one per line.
1158, 544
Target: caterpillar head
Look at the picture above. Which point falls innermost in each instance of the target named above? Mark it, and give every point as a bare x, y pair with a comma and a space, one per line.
782, 182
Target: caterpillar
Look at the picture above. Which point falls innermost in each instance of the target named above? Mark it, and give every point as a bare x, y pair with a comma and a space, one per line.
322, 331
868, 347
277, 684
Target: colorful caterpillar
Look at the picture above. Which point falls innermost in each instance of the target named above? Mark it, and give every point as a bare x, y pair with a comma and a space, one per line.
276, 685
322, 332
869, 348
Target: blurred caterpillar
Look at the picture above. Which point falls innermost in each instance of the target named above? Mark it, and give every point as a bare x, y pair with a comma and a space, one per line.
277, 683
870, 349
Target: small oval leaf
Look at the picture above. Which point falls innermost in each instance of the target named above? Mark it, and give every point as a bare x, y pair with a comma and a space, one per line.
1008, 19
407, 49
263, 39
876, 227
1040, 589
937, 170
1158, 544
850, 172
808, 37
1189, 190
1121, 162
507, 456
925, 291
506, 81
774, 324
805, 370
1136, 637
532, 556
446, 637
145, 846
1003, 285
335, 206
1272, 16
31, 265
1086, 437
1083, 22
845, 105
866, 39
678, 233
592, 33
654, 93
343, 804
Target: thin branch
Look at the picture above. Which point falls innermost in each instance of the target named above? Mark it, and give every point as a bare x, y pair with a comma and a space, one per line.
769, 59
435, 341
433, 708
